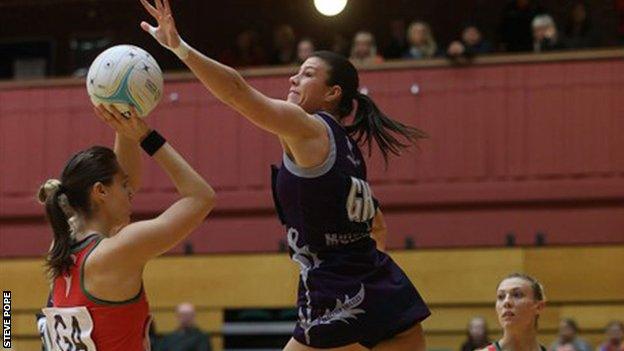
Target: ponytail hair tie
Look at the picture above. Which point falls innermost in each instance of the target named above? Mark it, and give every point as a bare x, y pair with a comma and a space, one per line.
48, 190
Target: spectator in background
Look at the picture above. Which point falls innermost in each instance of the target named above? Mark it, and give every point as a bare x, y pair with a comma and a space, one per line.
477, 335
568, 339
397, 46
515, 27
615, 337
305, 48
188, 337
421, 44
471, 44
154, 337
247, 52
619, 9
579, 32
284, 46
364, 49
545, 36
340, 45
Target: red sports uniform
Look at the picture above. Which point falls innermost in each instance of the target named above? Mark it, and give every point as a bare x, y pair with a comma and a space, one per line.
79, 321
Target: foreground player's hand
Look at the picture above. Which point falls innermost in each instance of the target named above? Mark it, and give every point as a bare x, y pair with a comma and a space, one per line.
133, 127
165, 33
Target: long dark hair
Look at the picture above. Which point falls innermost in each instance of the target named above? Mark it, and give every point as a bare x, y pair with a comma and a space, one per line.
369, 122
67, 201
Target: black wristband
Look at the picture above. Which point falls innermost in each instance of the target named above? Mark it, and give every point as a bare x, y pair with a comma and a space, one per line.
152, 142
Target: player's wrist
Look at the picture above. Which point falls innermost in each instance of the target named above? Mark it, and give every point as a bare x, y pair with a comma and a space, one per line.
182, 50
152, 142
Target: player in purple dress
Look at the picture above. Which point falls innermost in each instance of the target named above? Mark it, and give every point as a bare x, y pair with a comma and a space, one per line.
352, 296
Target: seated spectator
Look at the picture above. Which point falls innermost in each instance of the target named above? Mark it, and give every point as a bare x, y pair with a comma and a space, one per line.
568, 339
421, 44
305, 48
619, 9
188, 337
154, 337
340, 45
515, 27
477, 335
284, 51
364, 49
397, 45
579, 32
247, 52
471, 44
545, 36
615, 337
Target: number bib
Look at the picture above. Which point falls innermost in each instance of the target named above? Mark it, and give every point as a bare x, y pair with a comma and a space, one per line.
70, 328
360, 203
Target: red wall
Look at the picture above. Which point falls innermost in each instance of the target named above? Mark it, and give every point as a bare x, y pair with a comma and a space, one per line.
523, 148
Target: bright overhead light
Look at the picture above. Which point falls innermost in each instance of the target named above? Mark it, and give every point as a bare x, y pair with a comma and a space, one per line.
330, 7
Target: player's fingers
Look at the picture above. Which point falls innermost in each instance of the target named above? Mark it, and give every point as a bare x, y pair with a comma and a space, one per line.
152, 11
149, 29
134, 114
99, 113
107, 117
159, 5
103, 112
116, 114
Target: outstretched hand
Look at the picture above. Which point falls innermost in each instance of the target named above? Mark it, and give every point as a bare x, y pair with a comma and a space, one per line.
165, 33
132, 127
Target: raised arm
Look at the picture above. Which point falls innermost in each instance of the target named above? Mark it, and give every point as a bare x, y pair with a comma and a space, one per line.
279, 117
129, 156
140, 241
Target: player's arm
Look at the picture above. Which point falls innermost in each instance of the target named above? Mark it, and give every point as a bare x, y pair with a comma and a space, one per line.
140, 241
279, 117
282, 118
379, 230
129, 157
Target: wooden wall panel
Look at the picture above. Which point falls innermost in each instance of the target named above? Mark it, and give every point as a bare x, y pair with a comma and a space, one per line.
536, 138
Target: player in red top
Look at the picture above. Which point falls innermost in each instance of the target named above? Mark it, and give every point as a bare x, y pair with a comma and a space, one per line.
97, 257
520, 300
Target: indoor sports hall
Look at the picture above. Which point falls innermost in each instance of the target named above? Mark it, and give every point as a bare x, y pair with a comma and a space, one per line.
521, 170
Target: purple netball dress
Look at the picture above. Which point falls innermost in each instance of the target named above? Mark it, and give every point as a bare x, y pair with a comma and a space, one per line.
349, 292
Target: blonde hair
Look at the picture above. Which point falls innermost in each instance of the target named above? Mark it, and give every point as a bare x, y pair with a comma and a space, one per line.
542, 21
430, 47
367, 36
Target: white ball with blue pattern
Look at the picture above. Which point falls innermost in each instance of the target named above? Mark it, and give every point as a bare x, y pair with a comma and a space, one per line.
125, 75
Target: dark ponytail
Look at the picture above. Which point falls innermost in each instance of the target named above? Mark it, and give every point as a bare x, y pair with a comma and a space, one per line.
58, 260
369, 122
67, 201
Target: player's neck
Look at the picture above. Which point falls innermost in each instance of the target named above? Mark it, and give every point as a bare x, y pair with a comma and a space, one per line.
520, 340
333, 113
91, 227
